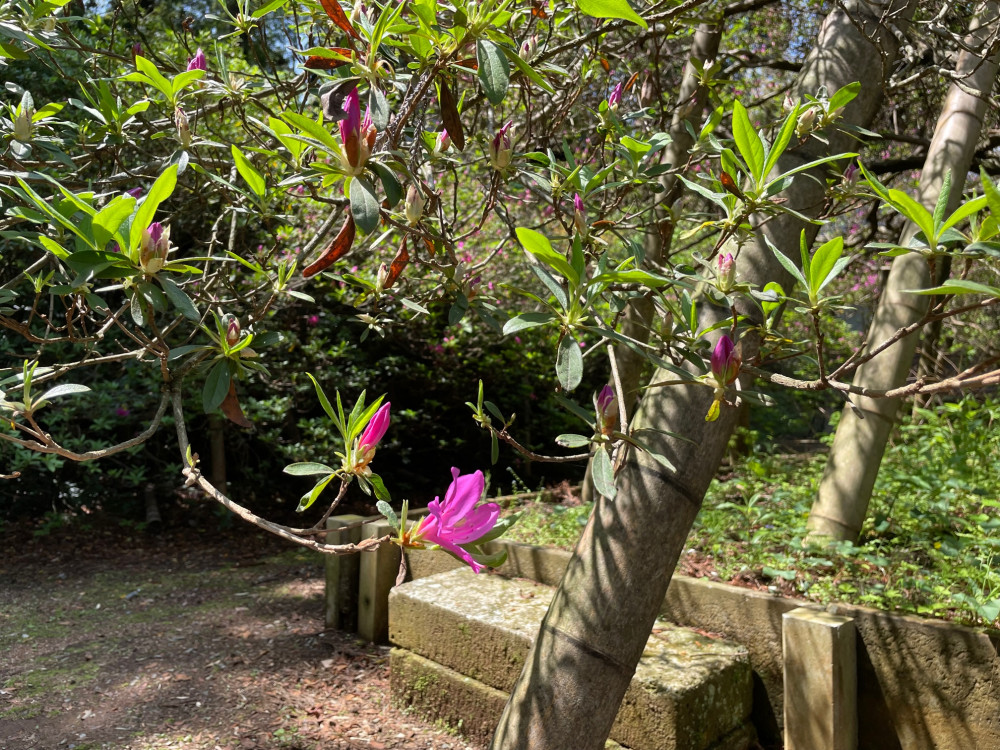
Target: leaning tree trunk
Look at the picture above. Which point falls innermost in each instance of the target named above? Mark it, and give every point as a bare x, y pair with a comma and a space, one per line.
859, 443
639, 318
601, 615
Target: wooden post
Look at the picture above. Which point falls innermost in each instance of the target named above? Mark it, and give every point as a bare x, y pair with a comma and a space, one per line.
821, 681
341, 609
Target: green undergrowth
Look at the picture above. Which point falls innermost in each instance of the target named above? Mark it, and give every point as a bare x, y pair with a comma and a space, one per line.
930, 545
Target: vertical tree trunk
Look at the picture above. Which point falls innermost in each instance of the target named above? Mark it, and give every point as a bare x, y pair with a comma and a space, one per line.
639, 318
596, 628
852, 467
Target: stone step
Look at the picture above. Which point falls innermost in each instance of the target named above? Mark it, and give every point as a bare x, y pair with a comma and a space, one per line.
689, 692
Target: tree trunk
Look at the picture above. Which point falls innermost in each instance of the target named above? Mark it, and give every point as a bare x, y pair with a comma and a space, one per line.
596, 628
639, 318
852, 467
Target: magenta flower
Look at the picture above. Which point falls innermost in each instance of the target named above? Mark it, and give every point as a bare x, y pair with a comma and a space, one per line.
500, 149
725, 361
456, 520
357, 135
606, 408
198, 62
616, 96
136, 51
135, 192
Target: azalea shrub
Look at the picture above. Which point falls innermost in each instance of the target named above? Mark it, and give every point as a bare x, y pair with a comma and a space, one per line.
456, 172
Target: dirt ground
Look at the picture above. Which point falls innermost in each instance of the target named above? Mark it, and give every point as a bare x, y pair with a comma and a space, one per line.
117, 639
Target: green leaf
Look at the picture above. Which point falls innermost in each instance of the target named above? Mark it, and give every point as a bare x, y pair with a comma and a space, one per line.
767, 305
569, 363
914, 212
156, 79
823, 262
63, 390
787, 264
572, 440
247, 171
611, 9
179, 299
109, 218
538, 245
527, 320
378, 105
844, 95
393, 190
964, 211
265, 9
216, 386
494, 70
781, 142
603, 473
310, 497
942, 200
525, 68
748, 142
364, 205
390, 515
307, 469
959, 286
379, 486
159, 192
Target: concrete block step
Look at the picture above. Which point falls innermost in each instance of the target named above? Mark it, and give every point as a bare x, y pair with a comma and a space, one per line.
689, 692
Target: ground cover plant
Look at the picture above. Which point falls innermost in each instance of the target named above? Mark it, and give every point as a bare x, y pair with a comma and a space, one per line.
930, 547
664, 202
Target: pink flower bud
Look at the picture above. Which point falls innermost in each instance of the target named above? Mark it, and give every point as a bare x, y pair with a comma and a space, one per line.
616, 96
198, 62
414, 204
529, 48
232, 329
851, 173
373, 433
183, 128
725, 361
500, 149
606, 408
443, 141
153, 248
357, 135
726, 271
579, 216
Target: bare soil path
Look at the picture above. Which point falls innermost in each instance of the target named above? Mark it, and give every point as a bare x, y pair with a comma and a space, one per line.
113, 639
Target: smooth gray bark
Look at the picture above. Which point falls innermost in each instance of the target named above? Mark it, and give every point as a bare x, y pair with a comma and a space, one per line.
852, 468
596, 628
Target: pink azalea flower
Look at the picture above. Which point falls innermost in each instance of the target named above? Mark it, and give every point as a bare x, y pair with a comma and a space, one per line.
456, 520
